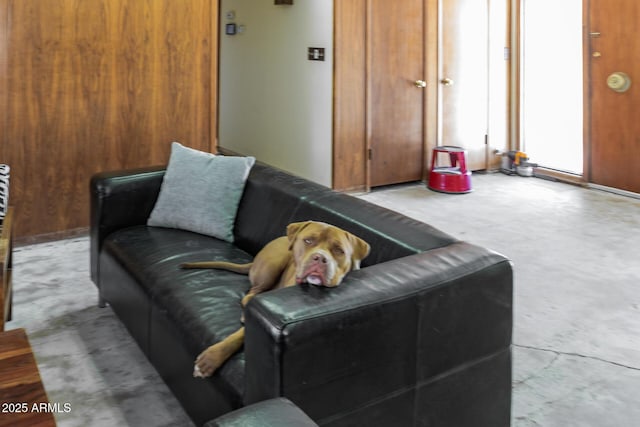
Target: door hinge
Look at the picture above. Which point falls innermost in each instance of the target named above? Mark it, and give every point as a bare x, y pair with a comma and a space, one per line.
369, 153
486, 139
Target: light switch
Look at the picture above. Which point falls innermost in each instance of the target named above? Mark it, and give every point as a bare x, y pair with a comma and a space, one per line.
230, 29
315, 54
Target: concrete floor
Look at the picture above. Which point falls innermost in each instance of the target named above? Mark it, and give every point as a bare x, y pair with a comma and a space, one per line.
576, 251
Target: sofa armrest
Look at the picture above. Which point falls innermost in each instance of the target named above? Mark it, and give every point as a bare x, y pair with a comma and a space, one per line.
388, 329
278, 412
120, 199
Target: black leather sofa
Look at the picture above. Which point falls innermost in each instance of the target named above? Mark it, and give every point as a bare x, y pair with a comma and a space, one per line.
420, 336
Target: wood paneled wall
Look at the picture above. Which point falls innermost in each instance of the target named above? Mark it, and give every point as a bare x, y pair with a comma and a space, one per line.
350, 95
92, 85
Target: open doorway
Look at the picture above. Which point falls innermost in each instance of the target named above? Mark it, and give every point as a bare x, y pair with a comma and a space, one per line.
551, 102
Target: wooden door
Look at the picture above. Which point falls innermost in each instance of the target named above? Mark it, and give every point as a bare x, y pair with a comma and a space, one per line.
614, 125
463, 78
395, 103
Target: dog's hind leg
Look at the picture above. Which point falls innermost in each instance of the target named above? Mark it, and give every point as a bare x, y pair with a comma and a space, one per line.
268, 266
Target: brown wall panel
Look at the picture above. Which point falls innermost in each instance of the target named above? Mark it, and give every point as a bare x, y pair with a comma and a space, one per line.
91, 85
350, 139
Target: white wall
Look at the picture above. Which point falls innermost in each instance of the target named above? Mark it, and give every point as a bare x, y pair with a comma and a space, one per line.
274, 103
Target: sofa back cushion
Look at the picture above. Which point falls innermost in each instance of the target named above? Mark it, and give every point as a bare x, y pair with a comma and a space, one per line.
390, 234
270, 199
273, 199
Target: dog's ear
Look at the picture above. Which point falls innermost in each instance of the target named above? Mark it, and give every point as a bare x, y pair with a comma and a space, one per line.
293, 229
361, 250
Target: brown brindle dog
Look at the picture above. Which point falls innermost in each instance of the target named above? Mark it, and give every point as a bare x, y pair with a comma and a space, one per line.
312, 252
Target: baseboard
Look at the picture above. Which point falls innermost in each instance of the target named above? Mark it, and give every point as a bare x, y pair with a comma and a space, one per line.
579, 180
617, 191
51, 237
556, 175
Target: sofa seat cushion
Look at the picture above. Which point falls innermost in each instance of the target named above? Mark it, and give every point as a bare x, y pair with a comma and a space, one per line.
203, 304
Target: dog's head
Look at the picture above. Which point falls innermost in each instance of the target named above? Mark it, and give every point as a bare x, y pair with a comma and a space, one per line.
323, 253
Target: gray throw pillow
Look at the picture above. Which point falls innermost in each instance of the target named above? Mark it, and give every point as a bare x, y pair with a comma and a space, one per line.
200, 192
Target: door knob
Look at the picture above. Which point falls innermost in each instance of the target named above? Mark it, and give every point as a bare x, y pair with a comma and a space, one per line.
619, 82
447, 82
420, 84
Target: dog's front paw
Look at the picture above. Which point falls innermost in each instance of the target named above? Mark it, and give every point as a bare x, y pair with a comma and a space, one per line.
197, 373
208, 362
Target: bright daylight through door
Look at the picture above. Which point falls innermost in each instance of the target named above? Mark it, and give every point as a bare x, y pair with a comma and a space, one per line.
552, 79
